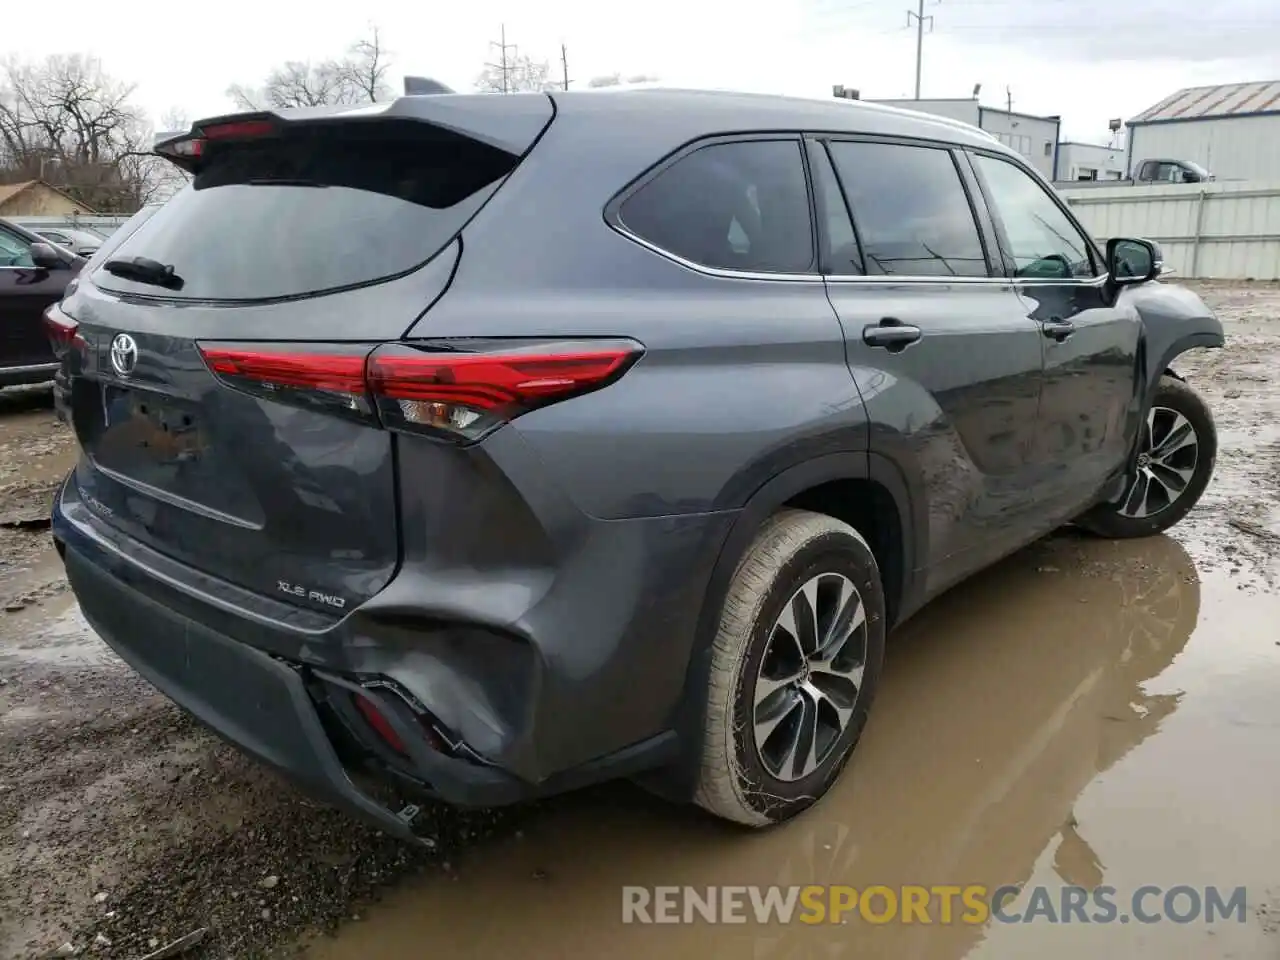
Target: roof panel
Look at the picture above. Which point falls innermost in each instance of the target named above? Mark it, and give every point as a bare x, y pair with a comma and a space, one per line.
1223, 100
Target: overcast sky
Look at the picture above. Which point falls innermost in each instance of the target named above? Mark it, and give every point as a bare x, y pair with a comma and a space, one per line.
1088, 60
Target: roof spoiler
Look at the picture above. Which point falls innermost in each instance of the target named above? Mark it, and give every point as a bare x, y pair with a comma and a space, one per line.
423, 86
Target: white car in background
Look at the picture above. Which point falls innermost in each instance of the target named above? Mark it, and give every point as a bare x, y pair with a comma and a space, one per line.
84, 243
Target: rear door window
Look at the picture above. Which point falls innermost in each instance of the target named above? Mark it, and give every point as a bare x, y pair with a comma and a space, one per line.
911, 210
735, 206
313, 210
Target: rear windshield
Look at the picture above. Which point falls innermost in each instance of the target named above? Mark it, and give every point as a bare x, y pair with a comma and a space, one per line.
318, 209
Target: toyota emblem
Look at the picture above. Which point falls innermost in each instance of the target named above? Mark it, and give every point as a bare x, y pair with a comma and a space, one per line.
124, 354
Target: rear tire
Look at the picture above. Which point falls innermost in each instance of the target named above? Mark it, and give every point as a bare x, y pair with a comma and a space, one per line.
795, 665
1178, 449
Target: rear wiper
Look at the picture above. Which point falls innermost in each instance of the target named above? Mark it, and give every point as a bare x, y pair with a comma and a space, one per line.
144, 270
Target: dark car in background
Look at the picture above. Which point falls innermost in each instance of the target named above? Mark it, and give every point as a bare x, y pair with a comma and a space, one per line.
476, 448
34, 274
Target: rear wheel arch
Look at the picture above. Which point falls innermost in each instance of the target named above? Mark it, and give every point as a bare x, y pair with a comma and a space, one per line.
860, 489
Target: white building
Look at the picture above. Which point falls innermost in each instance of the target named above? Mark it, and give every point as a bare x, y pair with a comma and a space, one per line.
1090, 161
1036, 138
1232, 130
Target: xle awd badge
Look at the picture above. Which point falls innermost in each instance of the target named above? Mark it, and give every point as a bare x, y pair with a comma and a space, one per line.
124, 354
316, 596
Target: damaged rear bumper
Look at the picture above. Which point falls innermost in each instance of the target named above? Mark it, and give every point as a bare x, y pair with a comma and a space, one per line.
271, 679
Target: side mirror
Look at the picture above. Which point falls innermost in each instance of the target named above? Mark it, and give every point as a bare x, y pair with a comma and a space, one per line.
43, 255
1131, 261
1190, 176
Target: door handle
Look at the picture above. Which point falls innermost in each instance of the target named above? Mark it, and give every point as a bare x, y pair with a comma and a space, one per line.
890, 333
1057, 328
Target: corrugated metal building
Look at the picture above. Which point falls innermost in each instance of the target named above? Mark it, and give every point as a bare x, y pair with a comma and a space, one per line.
1036, 138
1233, 130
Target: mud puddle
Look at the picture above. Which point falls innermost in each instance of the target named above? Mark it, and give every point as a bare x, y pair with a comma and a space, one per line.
1085, 713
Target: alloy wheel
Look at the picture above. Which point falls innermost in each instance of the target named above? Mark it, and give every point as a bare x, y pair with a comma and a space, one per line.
1166, 463
810, 676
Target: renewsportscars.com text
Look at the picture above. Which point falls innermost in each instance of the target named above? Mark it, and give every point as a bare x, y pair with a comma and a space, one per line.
938, 904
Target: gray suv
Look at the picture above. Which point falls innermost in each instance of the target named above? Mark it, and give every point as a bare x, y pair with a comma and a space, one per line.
479, 447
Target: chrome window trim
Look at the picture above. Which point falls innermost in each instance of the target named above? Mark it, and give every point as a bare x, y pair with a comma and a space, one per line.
718, 272
1003, 281
820, 278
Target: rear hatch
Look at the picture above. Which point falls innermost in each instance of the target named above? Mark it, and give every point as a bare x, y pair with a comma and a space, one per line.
217, 385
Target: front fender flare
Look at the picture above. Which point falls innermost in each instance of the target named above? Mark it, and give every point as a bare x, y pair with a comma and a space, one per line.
1200, 339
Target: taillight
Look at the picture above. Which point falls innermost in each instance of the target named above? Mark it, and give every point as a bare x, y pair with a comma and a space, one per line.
322, 378
469, 393
424, 387
380, 724
63, 332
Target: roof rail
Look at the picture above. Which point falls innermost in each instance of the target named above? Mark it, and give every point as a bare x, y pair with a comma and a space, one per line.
422, 86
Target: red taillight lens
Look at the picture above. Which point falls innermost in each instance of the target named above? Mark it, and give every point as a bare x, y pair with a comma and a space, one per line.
380, 724
63, 332
238, 130
323, 379
469, 393
417, 388
342, 373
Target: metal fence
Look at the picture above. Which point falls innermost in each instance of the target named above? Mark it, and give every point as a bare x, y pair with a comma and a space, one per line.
1216, 230
98, 223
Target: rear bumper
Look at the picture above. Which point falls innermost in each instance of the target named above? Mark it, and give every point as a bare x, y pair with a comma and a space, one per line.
252, 673
26, 374
253, 700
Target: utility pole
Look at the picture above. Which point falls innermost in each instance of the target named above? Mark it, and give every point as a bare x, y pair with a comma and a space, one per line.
920, 19
1008, 98
504, 64
564, 62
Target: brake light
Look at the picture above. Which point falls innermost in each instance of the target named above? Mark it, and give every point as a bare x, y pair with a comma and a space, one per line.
380, 724
469, 393
324, 379
334, 373
63, 332
423, 388
238, 130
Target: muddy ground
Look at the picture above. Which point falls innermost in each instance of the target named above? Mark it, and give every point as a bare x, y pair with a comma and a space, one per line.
1086, 710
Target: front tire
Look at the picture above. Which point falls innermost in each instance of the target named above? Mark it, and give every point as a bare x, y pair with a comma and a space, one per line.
1176, 457
794, 669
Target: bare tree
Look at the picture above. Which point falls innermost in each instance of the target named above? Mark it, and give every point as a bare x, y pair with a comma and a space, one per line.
520, 74
365, 68
360, 76
66, 121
